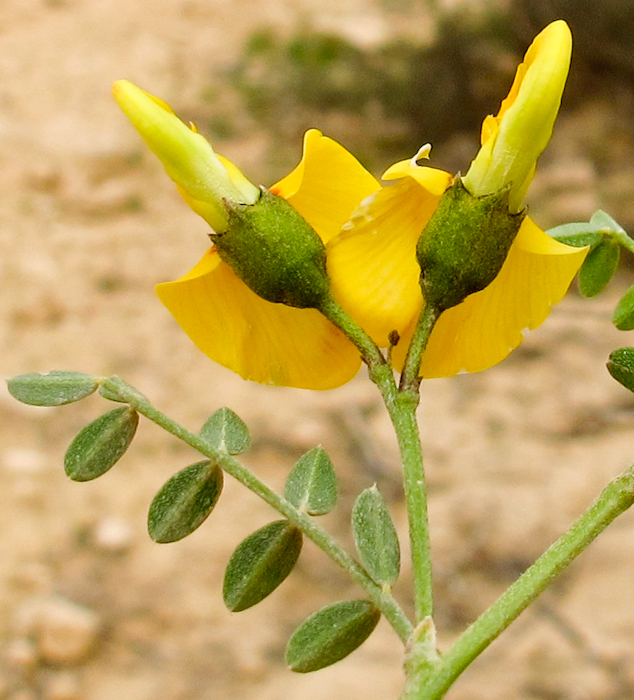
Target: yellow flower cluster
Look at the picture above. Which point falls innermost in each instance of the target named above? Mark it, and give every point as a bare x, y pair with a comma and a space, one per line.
370, 234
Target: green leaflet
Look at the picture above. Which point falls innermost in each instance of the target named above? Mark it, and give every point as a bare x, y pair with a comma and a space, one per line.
331, 634
52, 388
260, 563
227, 432
312, 484
375, 537
184, 502
101, 444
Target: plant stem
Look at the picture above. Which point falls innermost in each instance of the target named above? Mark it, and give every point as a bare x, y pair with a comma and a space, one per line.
402, 410
370, 353
116, 389
425, 325
616, 498
401, 406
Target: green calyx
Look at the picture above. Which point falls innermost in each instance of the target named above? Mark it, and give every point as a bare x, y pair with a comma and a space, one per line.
275, 252
465, 244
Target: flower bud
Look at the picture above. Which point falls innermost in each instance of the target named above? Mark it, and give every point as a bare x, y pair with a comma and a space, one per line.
465, 244
204, 179
513, 140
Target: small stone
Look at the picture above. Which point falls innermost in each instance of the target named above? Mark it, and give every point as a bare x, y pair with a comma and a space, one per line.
112, 535
24, 694
23, 460
44, 177
22, 654
65, 632
62, 685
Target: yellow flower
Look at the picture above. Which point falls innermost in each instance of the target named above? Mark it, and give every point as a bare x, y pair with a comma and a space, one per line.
372, 263
263, 341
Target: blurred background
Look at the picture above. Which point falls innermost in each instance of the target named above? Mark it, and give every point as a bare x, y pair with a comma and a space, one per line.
89, 607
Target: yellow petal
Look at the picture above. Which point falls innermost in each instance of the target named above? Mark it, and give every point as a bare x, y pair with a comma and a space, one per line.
488, 325
433, 180
261, 341
203, 178
372, 262
514, 139
327, 184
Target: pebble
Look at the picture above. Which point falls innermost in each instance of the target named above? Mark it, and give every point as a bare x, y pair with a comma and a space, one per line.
24, 695
62, 685
23, 460
22, 654
64, 632
44, 177
112, 535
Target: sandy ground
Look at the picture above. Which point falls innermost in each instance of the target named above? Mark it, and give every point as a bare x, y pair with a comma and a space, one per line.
87, 227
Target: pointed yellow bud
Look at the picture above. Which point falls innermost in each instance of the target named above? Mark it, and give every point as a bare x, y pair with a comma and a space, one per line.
513, 140
204, 179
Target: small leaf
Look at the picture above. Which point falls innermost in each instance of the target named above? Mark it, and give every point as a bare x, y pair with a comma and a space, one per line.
598, 267
331, 634
623, 317
260, 564
312, 484
577, 235
602, 221
375, 537
52, 388
184, 502
621, 367
101, 444
227, 432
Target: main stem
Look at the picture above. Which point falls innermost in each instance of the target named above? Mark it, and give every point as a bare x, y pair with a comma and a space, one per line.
615, 499
401, 404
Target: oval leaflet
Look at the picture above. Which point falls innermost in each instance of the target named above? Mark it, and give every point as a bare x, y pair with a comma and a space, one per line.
375, 537
226, 431
99, 445
260, 563
184, 502
52, 388
312, 484
330, 634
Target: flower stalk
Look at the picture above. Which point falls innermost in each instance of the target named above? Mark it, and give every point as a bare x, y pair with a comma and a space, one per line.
401, 404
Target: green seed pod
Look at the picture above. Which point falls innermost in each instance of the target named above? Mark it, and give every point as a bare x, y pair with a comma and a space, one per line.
465, 244
275, 252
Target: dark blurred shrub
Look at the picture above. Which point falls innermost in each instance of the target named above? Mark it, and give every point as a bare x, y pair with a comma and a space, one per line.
602, 31
428, 91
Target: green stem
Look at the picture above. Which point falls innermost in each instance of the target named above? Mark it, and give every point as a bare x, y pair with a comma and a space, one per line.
370, 353
615, 499
426, 322
116, 389
401, 406
402, 412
